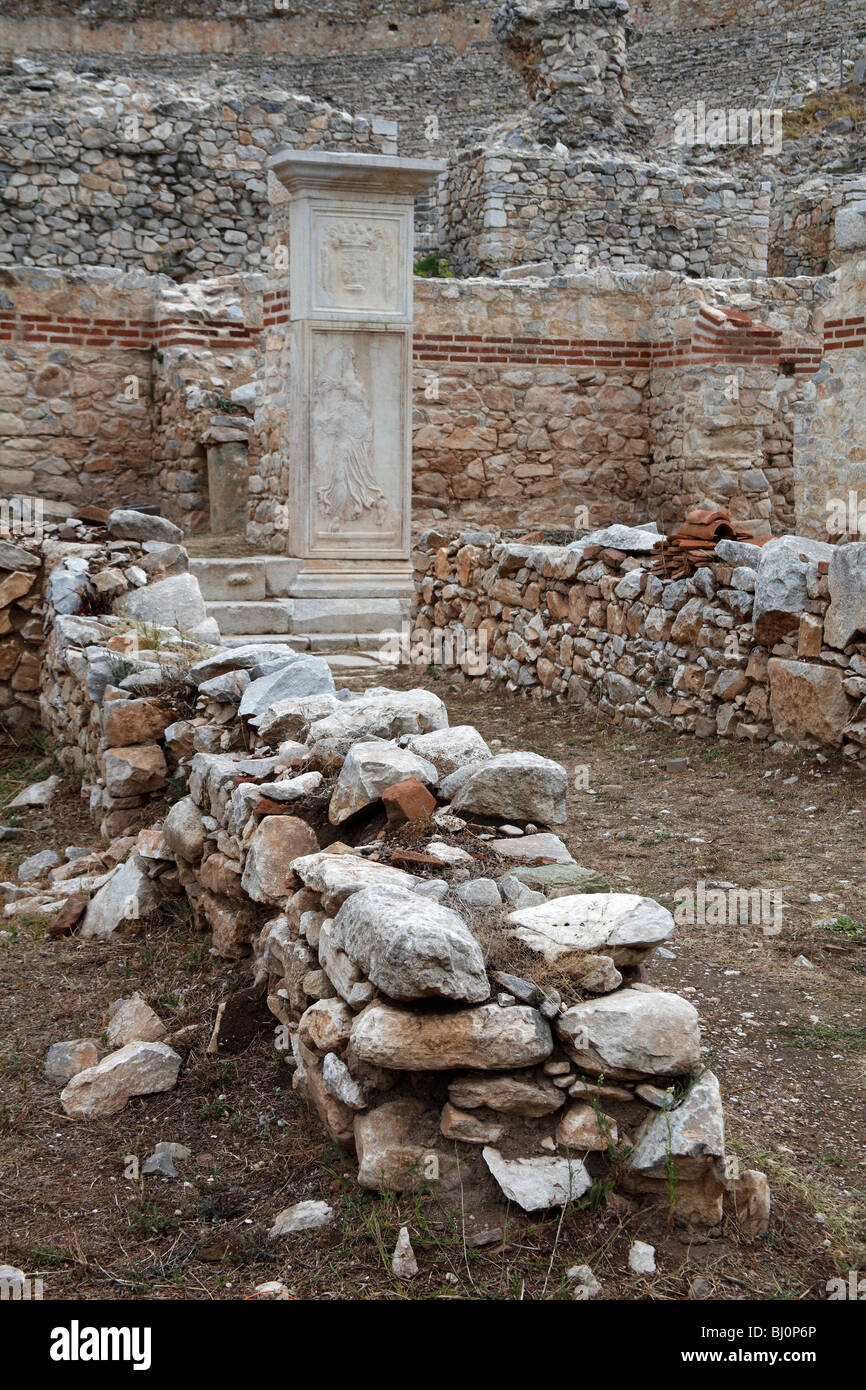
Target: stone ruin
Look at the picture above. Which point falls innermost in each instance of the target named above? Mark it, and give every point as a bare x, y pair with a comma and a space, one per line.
463, 1004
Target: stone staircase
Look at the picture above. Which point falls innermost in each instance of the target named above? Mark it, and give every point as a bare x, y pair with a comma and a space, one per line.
249, 599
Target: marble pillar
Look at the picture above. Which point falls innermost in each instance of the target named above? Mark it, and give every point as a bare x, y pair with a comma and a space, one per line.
349, 431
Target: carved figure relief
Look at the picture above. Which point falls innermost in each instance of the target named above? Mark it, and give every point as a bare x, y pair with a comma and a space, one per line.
344, 476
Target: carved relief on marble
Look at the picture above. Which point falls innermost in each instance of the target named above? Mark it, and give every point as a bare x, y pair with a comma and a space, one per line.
357, 264
354, 452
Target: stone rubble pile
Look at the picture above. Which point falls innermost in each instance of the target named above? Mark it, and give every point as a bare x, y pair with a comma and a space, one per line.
458, 998
766, 644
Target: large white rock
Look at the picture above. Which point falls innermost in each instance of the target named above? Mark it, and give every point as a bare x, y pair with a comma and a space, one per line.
615, 923
525, 848
846, 616
636, 540
380, 714
689, 1138
138, 1069
449, 749
368, 770
128, 896
411, 947
633, 1033
336, 876
286, 718
781, 592
484, 1038
183, 830
173, 602
536, 1184
239, 659
300, 676
519, 786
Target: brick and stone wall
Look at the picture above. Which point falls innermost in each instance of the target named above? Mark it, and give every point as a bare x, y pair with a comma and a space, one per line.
829, 422
628, 395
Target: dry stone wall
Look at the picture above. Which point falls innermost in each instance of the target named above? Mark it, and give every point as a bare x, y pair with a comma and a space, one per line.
767, 645
158, 177
503, 206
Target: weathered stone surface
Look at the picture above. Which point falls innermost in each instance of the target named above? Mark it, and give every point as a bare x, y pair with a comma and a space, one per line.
128, 896
326, 1026
808, 702
173, 602
846, 616
687, 1140
618, 923
632, 1034
303, 1216
582, 1128
403, 1262
239, 659
522, 786
750, 1192
337, 876
138, 1069
37, 865
380, 714
457, 1124
485, 1037
63, 1060
340, 1083
126, 722
451, 748
132, 1020
781, 591
268, 876
410, 947
134, 770
368, 769
286, 718
389, 1160
482, 894
37, 794
128, 525
528, 1094
297, 677
183, 830
526, 848
536, 1184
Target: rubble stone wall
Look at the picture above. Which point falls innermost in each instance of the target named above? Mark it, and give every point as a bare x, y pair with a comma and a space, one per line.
719, 654
502, 207
164, 178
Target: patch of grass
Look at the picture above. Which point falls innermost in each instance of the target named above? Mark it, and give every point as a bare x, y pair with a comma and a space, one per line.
822, 107
820, 1035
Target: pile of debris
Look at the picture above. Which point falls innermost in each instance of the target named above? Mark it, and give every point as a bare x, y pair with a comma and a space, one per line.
694, 544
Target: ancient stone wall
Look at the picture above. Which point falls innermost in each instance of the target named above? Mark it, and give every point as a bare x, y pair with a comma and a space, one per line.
161, 178
830, 424
503, 207
767, 644
616, 393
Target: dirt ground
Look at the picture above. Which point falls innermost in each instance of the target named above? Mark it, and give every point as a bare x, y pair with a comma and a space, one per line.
787, 1040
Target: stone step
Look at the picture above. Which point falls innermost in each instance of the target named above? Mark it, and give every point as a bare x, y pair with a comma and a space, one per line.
322, 642
280, 616
244, 579
241, 618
